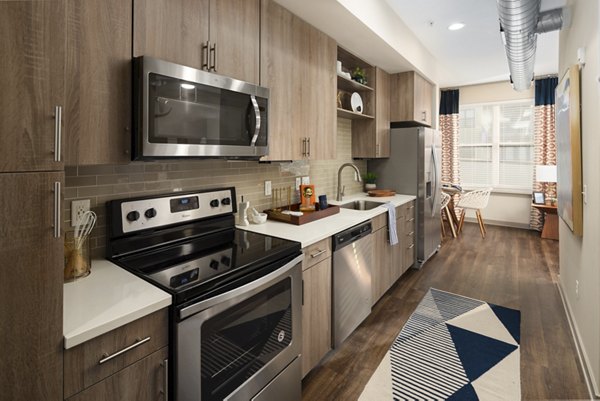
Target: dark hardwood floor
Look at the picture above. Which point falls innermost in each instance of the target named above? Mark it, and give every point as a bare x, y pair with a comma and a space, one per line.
510, 267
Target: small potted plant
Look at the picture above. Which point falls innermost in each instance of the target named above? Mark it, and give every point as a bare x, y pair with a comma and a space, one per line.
370, 180
359, 75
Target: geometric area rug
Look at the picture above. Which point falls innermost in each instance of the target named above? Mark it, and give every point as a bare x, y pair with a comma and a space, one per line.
452, 348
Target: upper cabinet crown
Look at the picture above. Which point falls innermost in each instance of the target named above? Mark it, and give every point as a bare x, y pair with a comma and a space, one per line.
221, 36
32, 79
411, 99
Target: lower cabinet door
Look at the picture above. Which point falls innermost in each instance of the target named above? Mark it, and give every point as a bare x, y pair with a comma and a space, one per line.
316, 314
381, 267
145, 380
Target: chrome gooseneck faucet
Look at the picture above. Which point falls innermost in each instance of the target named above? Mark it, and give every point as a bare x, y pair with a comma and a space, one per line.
340, 188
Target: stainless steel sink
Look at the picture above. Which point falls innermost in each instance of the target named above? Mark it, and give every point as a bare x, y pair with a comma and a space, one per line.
361, 205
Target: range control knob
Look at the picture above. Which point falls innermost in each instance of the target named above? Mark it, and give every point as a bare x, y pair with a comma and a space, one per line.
214, 203
150, 213
214, 264
133, 216
226, 201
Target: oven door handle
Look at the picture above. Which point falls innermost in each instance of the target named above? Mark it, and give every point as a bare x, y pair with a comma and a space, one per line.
251, 286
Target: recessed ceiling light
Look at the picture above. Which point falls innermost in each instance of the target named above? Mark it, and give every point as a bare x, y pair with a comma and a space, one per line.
456, 26
187, 86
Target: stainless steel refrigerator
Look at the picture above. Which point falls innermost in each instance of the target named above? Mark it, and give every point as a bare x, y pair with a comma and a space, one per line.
414, 168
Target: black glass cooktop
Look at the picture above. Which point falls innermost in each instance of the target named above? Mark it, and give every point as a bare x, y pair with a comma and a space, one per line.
198, 266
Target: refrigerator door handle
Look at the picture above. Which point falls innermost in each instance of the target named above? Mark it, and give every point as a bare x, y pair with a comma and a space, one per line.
435, 180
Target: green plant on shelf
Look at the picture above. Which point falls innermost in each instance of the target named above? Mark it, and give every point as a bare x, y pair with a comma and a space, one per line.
359, 75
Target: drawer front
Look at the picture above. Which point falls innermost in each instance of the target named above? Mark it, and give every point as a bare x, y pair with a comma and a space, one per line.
144, 380
126, 345
379, 222
316, 253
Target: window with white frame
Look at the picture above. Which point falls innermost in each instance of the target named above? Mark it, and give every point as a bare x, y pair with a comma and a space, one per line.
495, 145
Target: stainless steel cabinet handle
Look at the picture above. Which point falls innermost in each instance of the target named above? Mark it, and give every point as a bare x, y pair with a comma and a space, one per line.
257, 119
57, 132
213, 57
302, 292
413, 219
205, 55
165, 365
321, 252
424, 114
308, 141
411, 246
304, 151
107, 357
410, 234
376, 149
56, 225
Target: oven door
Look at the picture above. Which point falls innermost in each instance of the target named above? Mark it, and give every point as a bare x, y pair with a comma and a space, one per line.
233, 345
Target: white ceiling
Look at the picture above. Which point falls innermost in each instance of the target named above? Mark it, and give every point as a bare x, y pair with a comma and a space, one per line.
475, 53
401, 35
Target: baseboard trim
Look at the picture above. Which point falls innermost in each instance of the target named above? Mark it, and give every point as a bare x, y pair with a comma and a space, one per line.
499, 223
591, 384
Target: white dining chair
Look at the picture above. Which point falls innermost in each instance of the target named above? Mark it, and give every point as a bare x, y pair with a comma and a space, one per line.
445, 200
475, 200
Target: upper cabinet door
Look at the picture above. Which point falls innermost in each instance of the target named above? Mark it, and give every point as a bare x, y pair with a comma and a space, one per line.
32, 45
98, 117
172, 30
235, 38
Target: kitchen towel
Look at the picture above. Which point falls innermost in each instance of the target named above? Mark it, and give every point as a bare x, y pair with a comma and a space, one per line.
391, 222
452, 348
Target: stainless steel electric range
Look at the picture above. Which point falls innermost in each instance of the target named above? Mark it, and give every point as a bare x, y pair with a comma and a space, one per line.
235, 322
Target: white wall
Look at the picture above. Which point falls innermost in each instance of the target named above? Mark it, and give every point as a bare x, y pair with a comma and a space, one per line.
503, 209
580, 256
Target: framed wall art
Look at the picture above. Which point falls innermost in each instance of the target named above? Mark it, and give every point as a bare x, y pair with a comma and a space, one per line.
568, 144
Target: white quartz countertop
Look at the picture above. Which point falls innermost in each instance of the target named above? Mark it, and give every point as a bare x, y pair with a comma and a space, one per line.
309, 233
108, 298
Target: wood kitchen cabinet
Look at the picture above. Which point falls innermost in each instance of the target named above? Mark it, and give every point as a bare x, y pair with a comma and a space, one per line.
83, 370
411, 99
381, 269
371, 137
143, 380
316, 304
98, 112
32, 78
31, 286
296, 58
221, 36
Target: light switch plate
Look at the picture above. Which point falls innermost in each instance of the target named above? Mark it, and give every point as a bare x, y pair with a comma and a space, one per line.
267, 188
305, 180
298, 182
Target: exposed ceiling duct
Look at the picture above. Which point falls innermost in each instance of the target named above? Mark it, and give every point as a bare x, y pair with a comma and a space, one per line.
520, 22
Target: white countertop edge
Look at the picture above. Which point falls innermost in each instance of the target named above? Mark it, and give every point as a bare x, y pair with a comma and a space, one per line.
310, 233
108, 298
76, 338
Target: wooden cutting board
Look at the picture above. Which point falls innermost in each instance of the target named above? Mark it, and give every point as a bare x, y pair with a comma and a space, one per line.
381, 192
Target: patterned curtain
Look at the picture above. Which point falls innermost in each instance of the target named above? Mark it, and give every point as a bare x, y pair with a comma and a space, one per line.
544, 145
449, 128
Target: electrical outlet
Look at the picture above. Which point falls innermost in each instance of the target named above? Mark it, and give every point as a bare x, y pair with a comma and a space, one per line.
298, 182
577, 289
305, 180
267, 188
78, 208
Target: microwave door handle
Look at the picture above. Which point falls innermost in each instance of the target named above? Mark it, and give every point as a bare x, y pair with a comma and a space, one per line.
257, 119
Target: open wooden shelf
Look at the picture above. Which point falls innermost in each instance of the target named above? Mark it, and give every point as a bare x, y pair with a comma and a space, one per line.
350, 85
353, 115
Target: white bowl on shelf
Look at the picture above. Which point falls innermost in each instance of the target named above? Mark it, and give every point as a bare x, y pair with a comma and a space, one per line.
356, 103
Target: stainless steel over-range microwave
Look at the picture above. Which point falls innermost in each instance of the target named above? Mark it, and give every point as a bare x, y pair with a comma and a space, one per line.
180, 111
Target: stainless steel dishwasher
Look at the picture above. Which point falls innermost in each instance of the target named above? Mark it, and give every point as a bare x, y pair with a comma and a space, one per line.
352, 255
